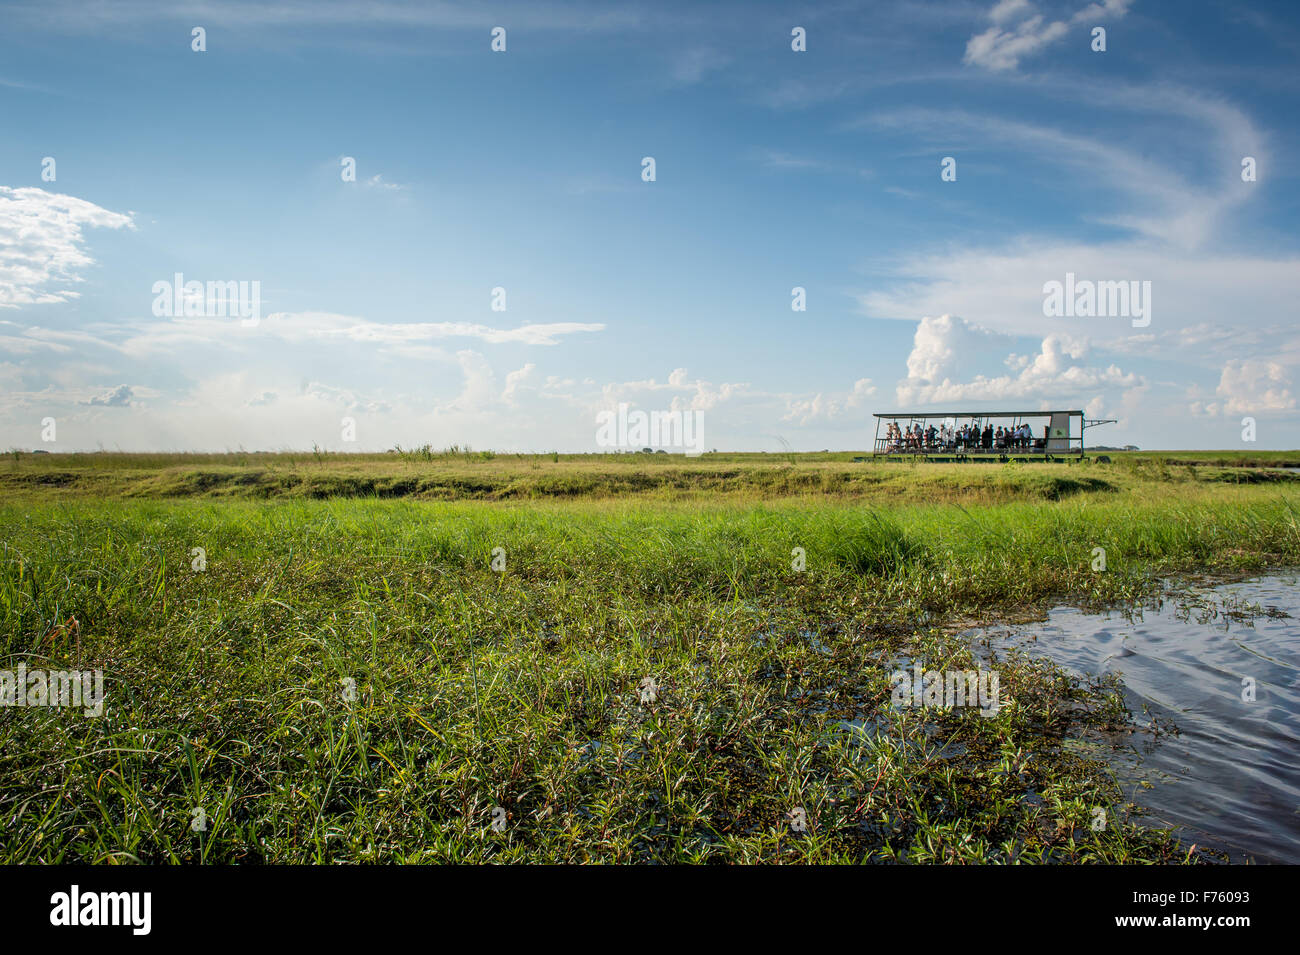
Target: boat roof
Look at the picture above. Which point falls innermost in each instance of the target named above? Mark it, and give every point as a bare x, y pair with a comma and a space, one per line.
973, 414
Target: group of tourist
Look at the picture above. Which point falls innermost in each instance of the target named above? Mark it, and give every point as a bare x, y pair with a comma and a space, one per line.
969, 437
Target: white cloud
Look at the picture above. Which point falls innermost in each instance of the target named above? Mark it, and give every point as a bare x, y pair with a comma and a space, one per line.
341, 397
1056, 372
25, 346
1005, 10
377, 182
119, 397
1248, 386
1002, 289
479, 391
1003, 45
698, 395
42, 235
309, 325
997, 49
302, 327
1151, 197
515, 382
822, 408
939, 344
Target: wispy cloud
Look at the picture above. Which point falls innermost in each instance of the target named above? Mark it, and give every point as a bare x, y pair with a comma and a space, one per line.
1019, 31
1157, 199
326, 327
549, 15
692, 65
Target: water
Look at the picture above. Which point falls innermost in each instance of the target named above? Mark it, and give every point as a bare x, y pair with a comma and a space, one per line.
1231, 779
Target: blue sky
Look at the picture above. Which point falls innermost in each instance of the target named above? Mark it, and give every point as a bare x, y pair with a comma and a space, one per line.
522, 170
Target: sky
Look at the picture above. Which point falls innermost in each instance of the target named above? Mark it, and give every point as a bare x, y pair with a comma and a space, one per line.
456, 245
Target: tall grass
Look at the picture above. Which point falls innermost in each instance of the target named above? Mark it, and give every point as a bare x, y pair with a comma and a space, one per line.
479, 690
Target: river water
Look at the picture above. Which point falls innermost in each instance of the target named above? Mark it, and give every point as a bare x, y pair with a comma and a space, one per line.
1231, 779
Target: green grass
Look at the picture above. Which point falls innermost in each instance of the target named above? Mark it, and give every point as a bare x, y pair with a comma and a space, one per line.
487, 477
477, 689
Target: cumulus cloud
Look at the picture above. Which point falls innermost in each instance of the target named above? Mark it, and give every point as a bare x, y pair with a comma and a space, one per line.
42, 238
479, 391
515, 382
1250, 386
119, 397
938, 344
1057, 371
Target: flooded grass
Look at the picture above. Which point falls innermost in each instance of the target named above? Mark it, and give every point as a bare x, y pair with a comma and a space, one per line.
1212, 668
349, 680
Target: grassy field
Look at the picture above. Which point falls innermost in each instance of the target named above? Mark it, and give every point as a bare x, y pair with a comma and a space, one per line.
465, 475
343, 676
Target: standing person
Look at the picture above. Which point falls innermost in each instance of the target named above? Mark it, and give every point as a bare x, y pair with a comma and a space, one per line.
988, 436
